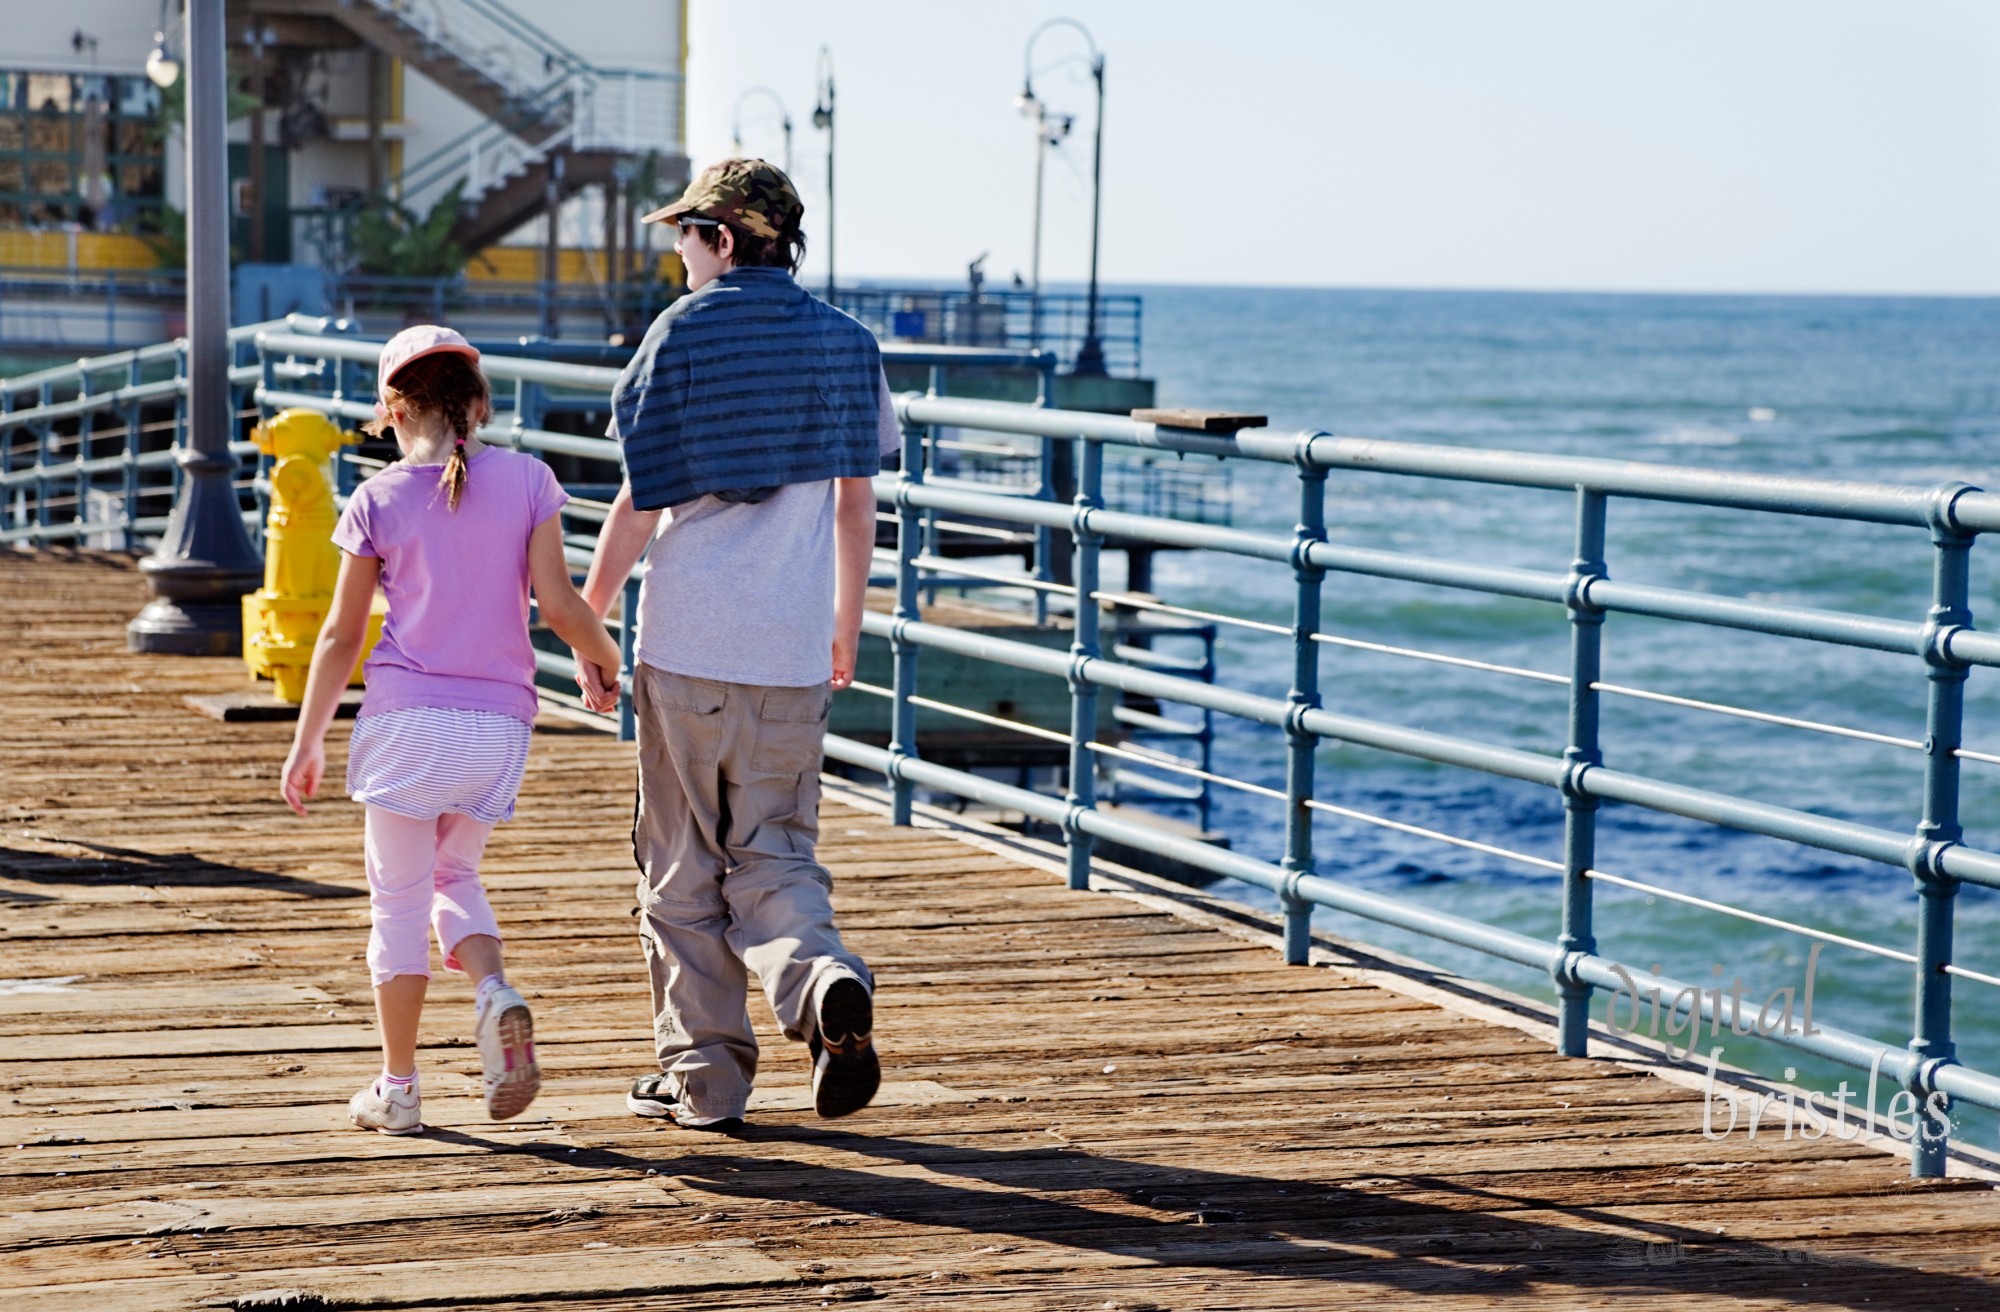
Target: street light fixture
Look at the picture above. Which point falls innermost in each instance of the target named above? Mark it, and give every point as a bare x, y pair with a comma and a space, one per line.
161, 66
784, 116
1090, 355
823, 118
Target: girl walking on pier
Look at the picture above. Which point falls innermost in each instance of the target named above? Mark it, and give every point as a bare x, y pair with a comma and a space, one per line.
455, 533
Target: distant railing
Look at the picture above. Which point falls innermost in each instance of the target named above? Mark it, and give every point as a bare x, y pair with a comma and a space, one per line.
90, 310
627, 306
1010, 320
119, 307
47, 309
51, 479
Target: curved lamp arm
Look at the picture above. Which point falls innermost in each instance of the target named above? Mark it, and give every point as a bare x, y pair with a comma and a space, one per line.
1027, 96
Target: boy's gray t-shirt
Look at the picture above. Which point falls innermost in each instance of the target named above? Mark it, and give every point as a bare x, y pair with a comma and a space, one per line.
743, 591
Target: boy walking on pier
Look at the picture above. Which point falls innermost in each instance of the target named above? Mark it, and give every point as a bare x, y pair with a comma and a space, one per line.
753, 418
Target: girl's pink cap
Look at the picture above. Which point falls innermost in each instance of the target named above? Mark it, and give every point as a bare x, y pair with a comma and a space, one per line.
415, 343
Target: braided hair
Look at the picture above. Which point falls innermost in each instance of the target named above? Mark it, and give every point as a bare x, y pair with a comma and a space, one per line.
448, 384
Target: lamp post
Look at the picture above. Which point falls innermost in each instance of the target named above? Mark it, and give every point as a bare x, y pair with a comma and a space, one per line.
823, 118
1090, 355
1050, 129
205, 562
784, 116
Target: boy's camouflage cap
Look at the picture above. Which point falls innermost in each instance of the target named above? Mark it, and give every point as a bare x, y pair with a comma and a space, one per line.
749, 193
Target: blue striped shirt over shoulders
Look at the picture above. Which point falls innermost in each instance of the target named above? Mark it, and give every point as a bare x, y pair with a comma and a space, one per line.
747, 384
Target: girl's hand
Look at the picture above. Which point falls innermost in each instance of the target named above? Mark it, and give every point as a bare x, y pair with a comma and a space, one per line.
599, 684
300, 778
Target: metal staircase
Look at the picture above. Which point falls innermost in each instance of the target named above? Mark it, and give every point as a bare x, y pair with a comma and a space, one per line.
554, 123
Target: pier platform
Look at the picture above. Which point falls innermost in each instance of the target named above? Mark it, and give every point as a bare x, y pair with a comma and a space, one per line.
1117, 1099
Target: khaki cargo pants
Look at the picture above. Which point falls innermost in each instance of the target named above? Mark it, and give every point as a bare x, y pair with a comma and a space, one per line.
727, 817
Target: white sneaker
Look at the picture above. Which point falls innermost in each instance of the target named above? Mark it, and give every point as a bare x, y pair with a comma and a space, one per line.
506, 1034
398, 1111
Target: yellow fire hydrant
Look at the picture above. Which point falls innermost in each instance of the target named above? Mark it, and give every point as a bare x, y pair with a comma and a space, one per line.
281, 620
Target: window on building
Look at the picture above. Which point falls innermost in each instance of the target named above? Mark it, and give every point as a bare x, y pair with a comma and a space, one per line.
80, 148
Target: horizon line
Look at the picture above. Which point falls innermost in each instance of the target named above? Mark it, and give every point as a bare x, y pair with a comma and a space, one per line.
1067, 285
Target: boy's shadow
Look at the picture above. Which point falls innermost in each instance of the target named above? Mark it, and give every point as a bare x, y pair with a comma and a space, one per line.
1276, 1227
124, 865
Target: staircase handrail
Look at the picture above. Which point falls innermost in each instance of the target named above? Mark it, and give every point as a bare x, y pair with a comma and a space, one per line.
449, 158
574, 104
478, 27
613, 111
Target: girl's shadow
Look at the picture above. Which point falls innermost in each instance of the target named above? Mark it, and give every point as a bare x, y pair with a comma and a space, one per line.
123, 865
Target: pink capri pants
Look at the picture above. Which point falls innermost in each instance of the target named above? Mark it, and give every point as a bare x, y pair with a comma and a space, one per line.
423, 871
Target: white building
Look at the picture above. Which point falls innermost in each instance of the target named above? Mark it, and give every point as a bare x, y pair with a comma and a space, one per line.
517, 103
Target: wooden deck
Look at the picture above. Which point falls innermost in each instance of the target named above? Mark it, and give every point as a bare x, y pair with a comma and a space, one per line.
1092, 1102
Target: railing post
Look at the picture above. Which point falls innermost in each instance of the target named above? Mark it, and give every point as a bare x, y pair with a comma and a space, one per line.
1586, 638
7, 457
1044, 535
929, 466
1083, 649
80, 484
628, 661
262, 464
177, 436
1944, 724
909, 543
1303, 696
344, 481
43, 452
527, 410
134, 423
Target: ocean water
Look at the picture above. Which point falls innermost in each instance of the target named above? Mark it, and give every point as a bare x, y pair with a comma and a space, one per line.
1873, 389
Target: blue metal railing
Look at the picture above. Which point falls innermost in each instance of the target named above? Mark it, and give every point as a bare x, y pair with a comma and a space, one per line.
311, 364
88, 449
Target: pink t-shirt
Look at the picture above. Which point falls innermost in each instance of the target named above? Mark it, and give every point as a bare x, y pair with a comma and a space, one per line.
456, 582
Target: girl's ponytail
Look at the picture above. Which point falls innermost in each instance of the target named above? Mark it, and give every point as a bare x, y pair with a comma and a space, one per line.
455, 407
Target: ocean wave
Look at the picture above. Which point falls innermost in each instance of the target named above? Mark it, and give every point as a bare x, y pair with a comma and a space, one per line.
1901, 433
1697, 435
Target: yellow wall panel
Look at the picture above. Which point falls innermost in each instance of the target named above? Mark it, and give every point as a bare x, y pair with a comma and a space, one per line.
524, 264
90, 251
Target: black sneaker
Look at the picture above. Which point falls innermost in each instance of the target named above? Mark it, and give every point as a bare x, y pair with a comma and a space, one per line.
846, 1072
651, 1096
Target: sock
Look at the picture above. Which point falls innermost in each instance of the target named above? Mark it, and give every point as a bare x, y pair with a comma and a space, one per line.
389, 1084
486, 986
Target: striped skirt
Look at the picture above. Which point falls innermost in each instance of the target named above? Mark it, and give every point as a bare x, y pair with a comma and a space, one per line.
425, 761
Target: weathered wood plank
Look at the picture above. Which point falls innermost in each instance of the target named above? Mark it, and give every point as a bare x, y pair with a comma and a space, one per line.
610, 1272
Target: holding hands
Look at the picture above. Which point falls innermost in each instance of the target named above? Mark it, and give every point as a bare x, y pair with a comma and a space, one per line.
599, 684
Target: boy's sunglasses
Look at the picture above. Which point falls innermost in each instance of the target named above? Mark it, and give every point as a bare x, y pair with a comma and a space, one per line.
695, 221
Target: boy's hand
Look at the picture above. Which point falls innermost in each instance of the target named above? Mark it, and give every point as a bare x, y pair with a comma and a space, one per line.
300, 777
844, 653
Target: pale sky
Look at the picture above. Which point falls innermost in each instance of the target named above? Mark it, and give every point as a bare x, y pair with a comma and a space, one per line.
1690, 145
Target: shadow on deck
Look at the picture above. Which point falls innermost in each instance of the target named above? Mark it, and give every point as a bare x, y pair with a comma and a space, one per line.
1092, 1101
